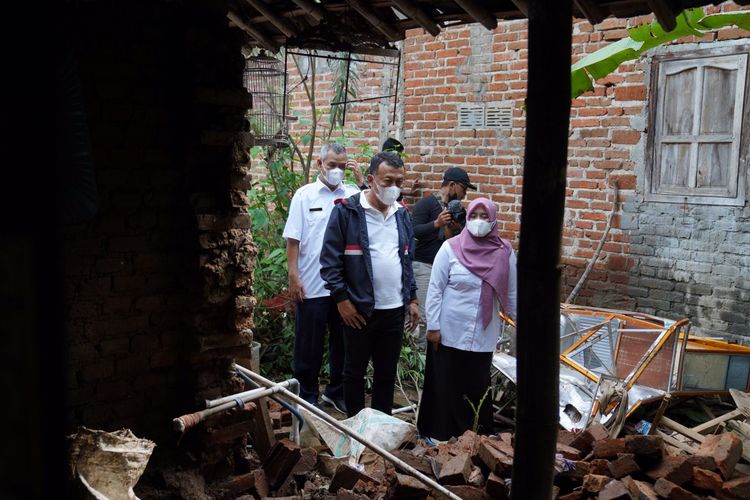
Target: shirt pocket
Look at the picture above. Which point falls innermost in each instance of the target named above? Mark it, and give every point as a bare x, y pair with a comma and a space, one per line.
461, 279
316, 216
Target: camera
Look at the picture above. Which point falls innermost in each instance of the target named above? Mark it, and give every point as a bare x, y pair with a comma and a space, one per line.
457, 211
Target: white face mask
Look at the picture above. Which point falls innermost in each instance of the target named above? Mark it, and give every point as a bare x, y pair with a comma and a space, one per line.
479, 227
387, 195
335, 176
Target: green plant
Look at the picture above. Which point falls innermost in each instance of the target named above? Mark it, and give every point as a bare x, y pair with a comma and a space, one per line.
477, 408
645, 37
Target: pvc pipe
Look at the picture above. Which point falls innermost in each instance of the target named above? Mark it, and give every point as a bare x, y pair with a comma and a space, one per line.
185, 422
210, 403
404, 409
292, 408
335, 423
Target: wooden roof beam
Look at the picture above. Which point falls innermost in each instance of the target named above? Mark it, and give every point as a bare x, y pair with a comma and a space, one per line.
266, 42
272, 17
365, 11
591, 11
311, 9
420, 16
479, 13
663, 14
522, 5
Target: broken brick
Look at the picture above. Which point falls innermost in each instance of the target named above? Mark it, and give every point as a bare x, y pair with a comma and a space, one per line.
594, 483
647, 450
702, 461
674, 469
495, 487
608, 448
599, 466
281, 459
667, 489
307, 462
568, 452
468, 492
614, 490
640, 490
624, 465
579, 470
344, 494
476, 478
726, 450
706, 480
346, 477
407, 487
456, 471
573, 495
497, 461
586, 438
421, 463
738, 487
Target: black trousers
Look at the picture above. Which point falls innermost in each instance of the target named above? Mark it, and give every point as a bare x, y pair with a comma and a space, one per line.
380, 340
313, 317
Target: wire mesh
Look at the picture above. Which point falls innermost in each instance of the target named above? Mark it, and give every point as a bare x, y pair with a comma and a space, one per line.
265, 80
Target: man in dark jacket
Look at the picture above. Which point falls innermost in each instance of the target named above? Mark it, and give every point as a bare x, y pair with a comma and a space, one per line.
366, 263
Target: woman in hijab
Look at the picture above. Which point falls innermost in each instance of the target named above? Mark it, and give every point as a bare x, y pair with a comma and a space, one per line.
473, 278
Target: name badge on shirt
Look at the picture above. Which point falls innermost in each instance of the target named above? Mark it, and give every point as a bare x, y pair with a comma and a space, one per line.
316, 209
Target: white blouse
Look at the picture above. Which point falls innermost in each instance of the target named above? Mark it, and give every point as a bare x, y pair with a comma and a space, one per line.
453, 303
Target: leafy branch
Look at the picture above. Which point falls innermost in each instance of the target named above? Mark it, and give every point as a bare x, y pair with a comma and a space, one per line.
645, 37
477, 408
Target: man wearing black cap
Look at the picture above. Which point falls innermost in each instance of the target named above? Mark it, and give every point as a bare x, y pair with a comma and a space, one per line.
434, 223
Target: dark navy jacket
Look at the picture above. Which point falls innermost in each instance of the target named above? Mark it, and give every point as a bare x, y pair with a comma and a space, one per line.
346, 266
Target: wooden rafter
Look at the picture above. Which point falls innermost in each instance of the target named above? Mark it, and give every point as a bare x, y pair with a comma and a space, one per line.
663, 13
272, 17
479, 13
265, 41
523, 6
420, 16
365, 11
591, 11
311, 9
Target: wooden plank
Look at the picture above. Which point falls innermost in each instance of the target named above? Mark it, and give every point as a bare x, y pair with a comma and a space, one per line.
591, 11
708, 426
311, 9
272, 17
685, 431
260, 37
663, 13
371, 17
415, 12
676, 442
479, 13
263, 436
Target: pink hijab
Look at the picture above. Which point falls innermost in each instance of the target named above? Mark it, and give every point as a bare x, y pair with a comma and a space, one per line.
486, 257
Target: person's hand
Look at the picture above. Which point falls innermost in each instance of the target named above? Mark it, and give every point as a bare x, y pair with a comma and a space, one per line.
350, 316
296, 289
354, 167
443, 219
413, 321
433, 337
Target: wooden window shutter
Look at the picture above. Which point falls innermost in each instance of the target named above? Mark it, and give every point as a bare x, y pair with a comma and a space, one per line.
698, 127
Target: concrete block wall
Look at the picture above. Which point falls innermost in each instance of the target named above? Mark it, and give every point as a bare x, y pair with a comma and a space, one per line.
606, 145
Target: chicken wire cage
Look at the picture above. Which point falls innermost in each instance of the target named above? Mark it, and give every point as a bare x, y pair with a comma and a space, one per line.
265, 79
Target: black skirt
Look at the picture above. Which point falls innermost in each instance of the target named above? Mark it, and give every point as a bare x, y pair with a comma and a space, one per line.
453, 378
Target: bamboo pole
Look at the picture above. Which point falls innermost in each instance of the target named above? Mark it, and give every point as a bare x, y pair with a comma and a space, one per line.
337, 425
542, 209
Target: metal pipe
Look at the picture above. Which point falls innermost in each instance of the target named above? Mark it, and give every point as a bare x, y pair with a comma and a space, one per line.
335, 423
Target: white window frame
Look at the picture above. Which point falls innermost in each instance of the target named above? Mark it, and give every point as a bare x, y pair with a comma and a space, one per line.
716, 56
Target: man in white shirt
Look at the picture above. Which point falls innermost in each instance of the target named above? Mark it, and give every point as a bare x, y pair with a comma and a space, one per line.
315, 311
367, 265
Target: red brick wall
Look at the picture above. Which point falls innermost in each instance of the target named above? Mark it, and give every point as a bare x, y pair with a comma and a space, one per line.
469, 63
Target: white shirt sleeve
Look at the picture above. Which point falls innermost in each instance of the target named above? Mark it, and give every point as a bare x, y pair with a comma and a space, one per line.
293, 226
512, 285
436, 289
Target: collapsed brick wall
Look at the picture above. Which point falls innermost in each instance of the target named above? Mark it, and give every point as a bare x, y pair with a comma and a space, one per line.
606, 144
158, 294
